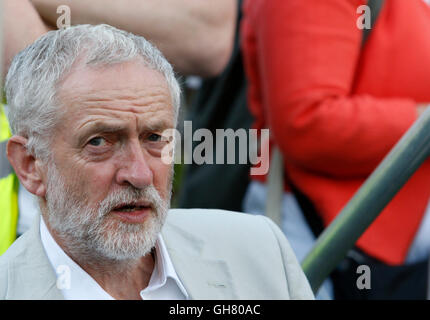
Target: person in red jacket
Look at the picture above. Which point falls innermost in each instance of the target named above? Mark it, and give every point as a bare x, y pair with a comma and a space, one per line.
336, 109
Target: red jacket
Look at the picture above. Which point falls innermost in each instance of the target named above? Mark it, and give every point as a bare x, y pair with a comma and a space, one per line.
336, 110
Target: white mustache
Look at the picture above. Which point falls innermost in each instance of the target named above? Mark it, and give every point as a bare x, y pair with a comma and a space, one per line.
130, 195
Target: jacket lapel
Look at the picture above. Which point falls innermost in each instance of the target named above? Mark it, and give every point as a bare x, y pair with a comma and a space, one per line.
31, 275
33, 282
203, 278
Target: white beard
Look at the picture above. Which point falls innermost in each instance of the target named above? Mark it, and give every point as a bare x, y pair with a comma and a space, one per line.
93, 234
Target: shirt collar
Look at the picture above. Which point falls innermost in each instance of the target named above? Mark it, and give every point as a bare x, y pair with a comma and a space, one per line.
75, 283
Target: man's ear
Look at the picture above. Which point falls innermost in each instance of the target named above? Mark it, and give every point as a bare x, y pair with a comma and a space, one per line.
26, 167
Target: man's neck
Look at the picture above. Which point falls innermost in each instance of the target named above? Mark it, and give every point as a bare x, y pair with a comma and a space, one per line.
122, 280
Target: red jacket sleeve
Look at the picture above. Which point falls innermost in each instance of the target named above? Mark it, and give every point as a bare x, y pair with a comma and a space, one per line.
307, 53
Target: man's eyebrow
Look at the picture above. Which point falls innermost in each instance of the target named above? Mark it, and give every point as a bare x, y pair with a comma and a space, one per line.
103, 127
100, 127
157, 126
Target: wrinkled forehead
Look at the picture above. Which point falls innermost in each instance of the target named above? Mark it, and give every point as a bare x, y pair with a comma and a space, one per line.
120, 90
129, 77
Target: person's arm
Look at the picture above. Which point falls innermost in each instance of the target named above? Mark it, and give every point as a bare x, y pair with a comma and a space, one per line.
196, 36
307, 52
22, 25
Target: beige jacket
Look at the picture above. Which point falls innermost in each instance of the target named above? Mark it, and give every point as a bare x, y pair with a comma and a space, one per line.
216, 254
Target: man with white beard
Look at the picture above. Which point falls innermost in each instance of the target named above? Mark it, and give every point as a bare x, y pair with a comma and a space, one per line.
88, 107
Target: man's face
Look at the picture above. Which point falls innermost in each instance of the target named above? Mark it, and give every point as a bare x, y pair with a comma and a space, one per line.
108, 186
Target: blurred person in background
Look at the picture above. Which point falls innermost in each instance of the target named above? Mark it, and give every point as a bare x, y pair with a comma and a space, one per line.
221, 103
335, 110
196, 36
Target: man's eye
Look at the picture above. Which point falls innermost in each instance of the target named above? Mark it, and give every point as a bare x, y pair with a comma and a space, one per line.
154, 137
97, 142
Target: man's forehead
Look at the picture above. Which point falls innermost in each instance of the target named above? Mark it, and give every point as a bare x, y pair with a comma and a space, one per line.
128, 77
123, 125
115, 115
123, 90
111, 99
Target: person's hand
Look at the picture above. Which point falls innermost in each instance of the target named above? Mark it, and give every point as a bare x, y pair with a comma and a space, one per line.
22, 25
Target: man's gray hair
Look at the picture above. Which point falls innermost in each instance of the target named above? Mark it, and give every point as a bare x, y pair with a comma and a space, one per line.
34, 76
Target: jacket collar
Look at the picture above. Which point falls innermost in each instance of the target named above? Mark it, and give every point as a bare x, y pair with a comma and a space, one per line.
203, 278
32, 267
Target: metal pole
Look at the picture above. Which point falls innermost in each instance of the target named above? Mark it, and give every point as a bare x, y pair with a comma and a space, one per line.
275, 187
378, 190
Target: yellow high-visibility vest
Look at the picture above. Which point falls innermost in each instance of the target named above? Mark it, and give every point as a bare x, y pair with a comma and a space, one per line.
8, 190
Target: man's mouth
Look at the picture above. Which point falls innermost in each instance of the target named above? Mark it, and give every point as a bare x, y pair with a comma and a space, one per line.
130, 208
132, 212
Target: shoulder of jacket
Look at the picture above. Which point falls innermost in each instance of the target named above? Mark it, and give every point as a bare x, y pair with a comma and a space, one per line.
211, 217
3, 281
12, 252
16, 250
215, 223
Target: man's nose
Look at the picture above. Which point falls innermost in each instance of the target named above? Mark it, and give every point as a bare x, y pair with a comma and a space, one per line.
134, 169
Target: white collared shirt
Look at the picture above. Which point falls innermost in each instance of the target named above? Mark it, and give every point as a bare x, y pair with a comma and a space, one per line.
76, 284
